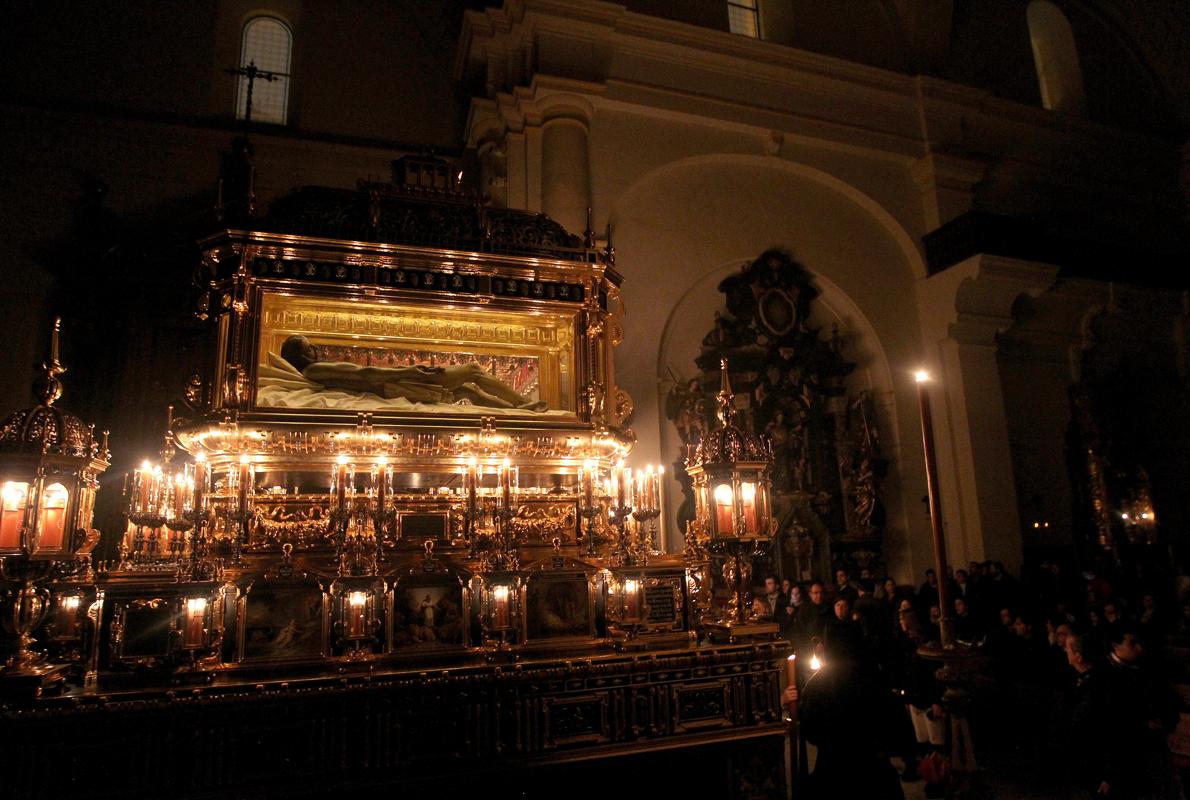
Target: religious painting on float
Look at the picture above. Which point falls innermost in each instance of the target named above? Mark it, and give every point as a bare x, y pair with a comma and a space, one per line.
429, 612
283, 621
321, 354
559, 606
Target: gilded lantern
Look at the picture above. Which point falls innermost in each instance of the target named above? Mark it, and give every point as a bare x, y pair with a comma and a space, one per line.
49, 467
730, 470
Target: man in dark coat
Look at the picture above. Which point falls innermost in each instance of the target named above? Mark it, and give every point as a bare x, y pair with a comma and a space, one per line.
1142, 711
841, 713
1087, 719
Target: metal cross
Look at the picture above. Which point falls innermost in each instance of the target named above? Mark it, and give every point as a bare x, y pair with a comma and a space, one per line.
252, 73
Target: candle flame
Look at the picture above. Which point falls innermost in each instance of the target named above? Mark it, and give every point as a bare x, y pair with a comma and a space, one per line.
921, 376
815, 662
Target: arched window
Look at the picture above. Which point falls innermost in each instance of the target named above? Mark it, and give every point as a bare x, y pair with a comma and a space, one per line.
267, 43
743, 17
1056, 58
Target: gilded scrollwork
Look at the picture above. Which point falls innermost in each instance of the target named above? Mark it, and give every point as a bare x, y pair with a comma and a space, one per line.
545, 521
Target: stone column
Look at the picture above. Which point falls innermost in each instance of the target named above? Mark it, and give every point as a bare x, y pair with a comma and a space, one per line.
963, 310
565, 172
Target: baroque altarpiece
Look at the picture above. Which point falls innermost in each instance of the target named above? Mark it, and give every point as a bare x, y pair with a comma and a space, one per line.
392, 533
791, 382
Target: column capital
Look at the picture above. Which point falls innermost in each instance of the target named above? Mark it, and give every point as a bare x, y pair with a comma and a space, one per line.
972, 301
947, 184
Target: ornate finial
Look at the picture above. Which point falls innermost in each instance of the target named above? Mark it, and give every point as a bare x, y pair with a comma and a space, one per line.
168, 450
47, 388
589, 233
726, 397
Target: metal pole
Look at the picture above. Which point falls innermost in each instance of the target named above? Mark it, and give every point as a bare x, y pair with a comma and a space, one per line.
946, 623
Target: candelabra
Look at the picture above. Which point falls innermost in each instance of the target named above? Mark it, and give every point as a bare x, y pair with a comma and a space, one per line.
627, 551
647, 502
588, 477
383, 512
146, 511
489, 515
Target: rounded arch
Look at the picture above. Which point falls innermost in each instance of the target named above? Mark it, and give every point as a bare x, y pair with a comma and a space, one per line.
266, 43
833, 305
1055, 56
904, 241
683, 226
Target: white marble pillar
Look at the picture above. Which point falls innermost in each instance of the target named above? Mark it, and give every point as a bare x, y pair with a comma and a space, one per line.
963, 309
565, 172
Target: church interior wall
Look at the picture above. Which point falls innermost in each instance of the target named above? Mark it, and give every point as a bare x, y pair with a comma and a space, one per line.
676, 229
704, 150
397, 64
1129, 335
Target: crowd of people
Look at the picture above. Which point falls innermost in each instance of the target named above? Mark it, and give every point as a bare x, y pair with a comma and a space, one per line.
1077, 679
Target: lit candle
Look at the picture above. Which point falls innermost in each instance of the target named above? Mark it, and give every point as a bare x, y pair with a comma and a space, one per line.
142, 481
181, 494
245, 483
200, 479
472, 486
723, 510
748, 495
196, 611
157, 495
53, 517
587, 479
651, 489
506, 483
356, 613
631, 600
341, 482
68, 609
622, 477
500, 610
12, 517
660, 478
946, 624
791, 680
381, 481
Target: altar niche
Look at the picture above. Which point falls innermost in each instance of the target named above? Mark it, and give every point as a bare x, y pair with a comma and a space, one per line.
791, 385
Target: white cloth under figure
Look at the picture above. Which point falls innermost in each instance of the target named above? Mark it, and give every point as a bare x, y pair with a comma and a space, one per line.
280, 385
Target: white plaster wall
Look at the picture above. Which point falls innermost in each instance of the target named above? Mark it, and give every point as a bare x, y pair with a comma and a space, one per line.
683, 226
